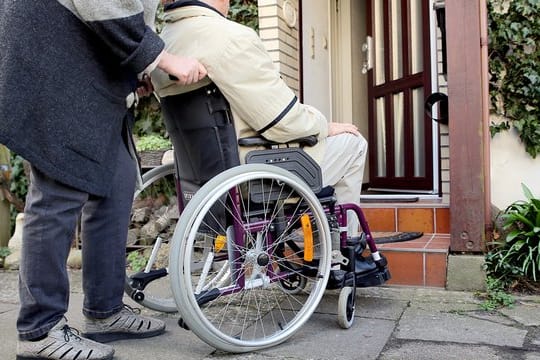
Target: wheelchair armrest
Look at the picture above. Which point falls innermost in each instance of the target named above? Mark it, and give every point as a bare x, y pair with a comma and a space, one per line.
310, 140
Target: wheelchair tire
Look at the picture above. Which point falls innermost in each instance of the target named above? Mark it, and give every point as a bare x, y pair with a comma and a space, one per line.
346, 308
252, 310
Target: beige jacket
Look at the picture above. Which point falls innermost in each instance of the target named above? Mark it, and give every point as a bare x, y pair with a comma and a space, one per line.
239, 65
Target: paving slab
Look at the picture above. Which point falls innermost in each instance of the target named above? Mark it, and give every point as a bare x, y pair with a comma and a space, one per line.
322, 338
368, 307
9, 292
421, 324
526, 312
429, 351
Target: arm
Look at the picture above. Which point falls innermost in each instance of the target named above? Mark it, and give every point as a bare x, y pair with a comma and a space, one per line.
121, 26
340, 128
245, 73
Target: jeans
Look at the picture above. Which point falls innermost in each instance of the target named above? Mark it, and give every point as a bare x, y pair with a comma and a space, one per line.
51, 215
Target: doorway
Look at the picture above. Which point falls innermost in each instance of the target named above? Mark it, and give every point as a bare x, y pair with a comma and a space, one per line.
399, 79
386, 100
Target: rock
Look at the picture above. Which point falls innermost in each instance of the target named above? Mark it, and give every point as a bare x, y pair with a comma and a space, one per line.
15, 244
74, 260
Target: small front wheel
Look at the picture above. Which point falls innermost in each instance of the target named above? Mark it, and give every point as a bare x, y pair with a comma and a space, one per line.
346, 307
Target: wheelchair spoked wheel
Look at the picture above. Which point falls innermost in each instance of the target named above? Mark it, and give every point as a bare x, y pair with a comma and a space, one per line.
252, 238
346, 307
153, 219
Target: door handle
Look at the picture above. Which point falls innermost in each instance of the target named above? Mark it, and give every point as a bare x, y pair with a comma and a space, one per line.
367, 49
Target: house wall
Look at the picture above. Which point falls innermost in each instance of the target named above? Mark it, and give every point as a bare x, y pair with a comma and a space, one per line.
511, 166
279, 30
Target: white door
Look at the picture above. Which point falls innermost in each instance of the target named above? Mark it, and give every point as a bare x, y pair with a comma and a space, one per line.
316, 55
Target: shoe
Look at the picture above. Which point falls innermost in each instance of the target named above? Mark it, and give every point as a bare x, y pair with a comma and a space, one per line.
127, 324
63, 342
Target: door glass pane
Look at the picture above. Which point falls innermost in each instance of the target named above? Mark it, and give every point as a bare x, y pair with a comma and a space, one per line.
378, 41
381, 137
399, 135
417, 60
418, 130
396, 33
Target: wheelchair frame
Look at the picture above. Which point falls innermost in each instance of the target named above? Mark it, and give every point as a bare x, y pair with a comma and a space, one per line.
248, 268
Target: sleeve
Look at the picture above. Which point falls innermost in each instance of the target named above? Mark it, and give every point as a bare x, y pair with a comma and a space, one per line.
247, 76
121, 26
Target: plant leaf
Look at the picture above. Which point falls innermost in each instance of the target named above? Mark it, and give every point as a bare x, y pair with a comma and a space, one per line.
527, 192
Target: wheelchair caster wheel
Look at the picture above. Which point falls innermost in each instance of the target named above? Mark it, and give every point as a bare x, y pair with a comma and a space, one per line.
293, 285
138, 296
346, 307
182, 324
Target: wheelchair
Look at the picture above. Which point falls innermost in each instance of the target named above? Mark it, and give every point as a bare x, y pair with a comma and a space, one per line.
256, 245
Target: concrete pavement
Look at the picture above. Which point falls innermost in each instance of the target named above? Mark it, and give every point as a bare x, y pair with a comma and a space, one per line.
392, 323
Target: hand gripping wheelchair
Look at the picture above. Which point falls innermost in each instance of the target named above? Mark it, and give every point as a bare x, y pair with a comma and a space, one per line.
256, 245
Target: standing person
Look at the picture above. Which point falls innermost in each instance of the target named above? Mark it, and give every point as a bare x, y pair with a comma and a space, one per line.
69, 72
261, 102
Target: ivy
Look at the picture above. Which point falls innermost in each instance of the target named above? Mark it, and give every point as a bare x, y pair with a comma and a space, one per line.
245, 12
514, 66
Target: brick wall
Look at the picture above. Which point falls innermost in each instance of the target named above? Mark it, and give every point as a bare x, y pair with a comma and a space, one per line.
282, 39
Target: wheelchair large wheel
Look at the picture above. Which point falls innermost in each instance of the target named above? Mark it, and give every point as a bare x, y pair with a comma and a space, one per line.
153, 219
271, 231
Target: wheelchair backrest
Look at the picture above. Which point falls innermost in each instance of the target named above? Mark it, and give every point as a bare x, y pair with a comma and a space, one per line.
201, 128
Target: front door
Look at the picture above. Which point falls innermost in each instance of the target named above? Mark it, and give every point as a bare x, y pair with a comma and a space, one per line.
400, 135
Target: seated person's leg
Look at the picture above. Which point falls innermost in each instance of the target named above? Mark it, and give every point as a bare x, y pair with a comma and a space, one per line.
343, 168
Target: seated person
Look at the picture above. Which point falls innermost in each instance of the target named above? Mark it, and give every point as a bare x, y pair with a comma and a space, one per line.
261, 102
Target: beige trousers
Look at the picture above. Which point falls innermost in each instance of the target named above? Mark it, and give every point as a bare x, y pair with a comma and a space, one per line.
343, 168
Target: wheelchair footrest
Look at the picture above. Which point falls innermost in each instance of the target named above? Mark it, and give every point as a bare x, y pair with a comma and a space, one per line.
373, 278
367, 273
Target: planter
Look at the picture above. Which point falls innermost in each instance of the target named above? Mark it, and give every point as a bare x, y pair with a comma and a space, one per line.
151, 158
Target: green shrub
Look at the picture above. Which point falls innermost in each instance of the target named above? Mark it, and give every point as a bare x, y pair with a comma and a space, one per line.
517, 256
4, 253
18, 186
495, 296
152, 142
136, 261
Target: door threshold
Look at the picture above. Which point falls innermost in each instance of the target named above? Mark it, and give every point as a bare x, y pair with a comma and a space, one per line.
396, 198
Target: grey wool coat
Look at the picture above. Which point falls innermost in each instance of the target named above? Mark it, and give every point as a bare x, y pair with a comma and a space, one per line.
66, 67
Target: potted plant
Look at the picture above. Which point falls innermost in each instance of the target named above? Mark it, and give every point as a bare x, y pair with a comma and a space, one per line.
151, 148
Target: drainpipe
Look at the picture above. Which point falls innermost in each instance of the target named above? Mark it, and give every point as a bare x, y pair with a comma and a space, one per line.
485, 116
